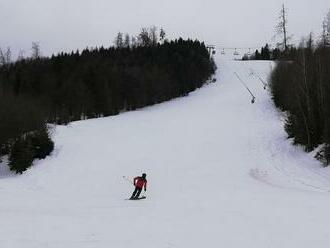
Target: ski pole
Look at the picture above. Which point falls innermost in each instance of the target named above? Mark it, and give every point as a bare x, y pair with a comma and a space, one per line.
128, 180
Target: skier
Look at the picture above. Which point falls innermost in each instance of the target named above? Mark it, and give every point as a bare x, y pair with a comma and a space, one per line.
139, 183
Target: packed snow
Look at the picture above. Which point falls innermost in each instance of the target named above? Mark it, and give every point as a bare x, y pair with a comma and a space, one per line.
220, 170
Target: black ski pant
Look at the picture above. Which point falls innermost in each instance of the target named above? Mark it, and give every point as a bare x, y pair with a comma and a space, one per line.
136, 192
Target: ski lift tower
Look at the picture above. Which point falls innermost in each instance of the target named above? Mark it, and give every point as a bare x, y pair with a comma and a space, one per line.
249, 52
211, 49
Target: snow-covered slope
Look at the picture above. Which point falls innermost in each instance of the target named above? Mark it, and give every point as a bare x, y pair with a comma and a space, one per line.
220, 170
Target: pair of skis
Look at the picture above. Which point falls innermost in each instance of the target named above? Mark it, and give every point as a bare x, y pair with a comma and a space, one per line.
136, 199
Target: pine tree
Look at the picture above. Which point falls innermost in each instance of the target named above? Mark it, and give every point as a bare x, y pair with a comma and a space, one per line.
21, 155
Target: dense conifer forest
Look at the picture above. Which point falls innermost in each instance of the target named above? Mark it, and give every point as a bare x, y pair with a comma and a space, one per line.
267, 53
301, 86
95, 82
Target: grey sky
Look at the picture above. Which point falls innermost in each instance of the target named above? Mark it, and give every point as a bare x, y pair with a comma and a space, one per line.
70, 24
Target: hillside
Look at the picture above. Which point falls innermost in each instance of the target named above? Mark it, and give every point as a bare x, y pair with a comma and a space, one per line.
221, 173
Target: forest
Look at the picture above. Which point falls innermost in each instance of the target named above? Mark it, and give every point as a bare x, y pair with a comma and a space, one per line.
96, 82
301, 86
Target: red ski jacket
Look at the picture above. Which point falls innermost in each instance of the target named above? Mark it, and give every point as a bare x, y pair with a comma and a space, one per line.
140, 182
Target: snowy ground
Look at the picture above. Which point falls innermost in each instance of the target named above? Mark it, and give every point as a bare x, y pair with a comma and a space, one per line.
221, 174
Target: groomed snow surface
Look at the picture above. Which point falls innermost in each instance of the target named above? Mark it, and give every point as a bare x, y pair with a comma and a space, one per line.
221, 173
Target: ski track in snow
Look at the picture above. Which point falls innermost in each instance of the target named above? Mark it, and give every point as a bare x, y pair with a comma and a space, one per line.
221, 173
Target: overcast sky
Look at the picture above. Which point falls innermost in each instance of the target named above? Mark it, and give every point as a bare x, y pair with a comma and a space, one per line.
64, 25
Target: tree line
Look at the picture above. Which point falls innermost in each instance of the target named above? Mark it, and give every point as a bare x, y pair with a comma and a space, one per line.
95, 82
300, 85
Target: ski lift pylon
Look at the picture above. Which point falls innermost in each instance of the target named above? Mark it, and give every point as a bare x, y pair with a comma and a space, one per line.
249, 52
211, 49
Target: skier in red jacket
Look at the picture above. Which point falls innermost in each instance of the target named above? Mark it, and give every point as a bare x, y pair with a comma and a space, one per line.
139, 183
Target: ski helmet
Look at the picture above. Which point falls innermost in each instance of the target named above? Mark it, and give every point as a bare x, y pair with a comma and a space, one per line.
144, 175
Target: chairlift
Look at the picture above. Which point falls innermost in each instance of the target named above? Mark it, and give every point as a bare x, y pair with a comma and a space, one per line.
211, 49
236, 52
223, 52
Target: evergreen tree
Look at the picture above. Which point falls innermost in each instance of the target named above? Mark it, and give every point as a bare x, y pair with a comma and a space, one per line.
21, 155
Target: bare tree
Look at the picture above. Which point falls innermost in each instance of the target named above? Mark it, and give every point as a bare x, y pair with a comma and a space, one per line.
20, 55
8, 55
153, 35
127, 41
326, 29
119, 40
134, 42
36, 53
2, 57
282, 28
5, 56
144, 38
324, 33
162, 35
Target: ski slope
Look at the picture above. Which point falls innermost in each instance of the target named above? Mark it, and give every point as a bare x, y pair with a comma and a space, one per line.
220, 170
